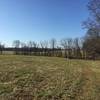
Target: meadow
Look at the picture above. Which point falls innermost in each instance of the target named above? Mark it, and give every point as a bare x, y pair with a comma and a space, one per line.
48, 78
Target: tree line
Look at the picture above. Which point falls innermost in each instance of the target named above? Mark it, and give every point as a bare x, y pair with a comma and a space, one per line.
67, 47
87, 47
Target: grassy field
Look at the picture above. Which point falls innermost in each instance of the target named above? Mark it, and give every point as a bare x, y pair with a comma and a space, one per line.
48, 78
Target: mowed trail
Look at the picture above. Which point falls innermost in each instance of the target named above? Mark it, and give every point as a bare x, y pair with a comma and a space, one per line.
90, 88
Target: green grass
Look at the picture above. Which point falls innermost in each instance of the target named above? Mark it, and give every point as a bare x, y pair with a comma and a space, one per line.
48, 78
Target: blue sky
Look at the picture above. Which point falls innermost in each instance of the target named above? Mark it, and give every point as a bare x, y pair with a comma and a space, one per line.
41, 19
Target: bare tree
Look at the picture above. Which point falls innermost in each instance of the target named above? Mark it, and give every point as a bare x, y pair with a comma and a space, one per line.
92, 38
23, 48
30, 45
53, 43
77, 48
64, 44
1, 48
16, 44
70, 43
35, 46
44, 47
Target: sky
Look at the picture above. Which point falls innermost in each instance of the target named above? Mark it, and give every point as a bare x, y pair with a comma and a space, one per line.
38, 20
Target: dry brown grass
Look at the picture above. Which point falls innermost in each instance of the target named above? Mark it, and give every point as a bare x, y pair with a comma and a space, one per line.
48, 78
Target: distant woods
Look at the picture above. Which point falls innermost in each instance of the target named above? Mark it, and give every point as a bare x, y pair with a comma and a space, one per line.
87, 47
67, 47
